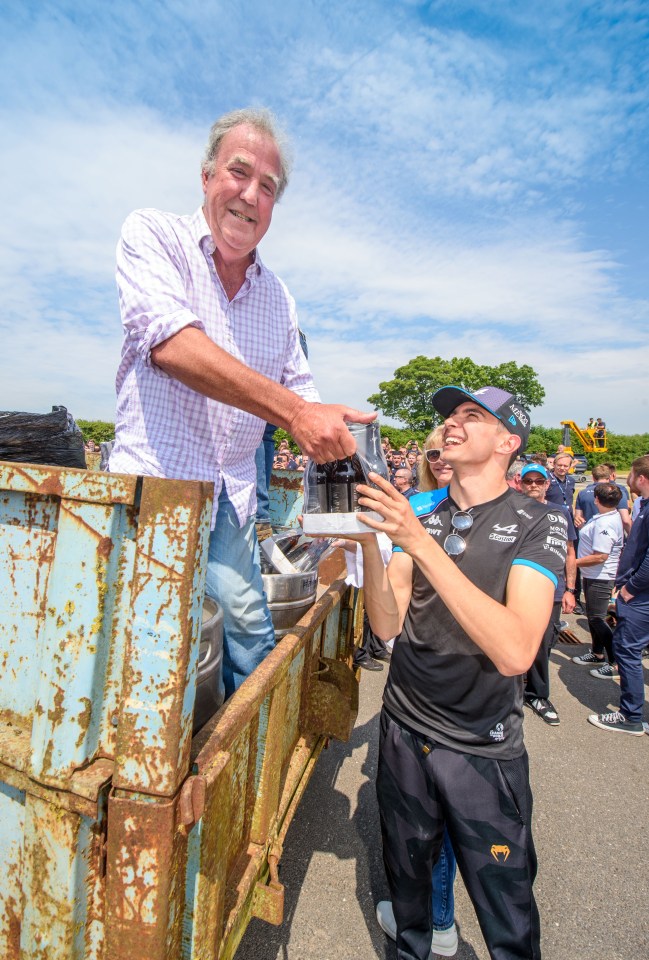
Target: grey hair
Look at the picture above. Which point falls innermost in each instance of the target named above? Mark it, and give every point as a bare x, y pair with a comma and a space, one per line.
263, 120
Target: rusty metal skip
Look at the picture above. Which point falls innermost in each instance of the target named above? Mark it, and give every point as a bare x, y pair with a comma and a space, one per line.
121, 836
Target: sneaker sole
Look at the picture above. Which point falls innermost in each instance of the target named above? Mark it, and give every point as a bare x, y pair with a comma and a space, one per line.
438, 950
616, 728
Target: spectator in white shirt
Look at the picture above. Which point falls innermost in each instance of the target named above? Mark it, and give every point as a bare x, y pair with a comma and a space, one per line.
600, 545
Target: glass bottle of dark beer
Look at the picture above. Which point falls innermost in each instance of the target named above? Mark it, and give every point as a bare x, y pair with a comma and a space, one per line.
342, 478
342, 486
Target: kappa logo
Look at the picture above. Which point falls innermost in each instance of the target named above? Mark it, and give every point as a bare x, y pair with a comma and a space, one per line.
512, 528
435, 521
500, 852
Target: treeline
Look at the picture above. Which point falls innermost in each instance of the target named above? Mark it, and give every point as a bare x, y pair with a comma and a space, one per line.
98, 430
622, 449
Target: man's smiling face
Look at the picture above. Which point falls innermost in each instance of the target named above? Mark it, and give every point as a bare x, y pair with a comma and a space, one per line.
469, 433
240, 192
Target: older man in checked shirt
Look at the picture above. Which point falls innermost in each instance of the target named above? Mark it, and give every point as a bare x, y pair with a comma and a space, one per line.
211, 352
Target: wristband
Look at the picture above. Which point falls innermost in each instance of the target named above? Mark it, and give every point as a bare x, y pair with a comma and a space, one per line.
571, 590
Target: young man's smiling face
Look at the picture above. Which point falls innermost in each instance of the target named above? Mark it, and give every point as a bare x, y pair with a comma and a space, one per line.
471, 434
240, 192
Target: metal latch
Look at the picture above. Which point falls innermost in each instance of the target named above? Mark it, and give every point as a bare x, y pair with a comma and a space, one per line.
268, 898
191, 802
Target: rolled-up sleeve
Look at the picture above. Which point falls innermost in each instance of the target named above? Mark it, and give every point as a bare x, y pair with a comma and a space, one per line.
152, 285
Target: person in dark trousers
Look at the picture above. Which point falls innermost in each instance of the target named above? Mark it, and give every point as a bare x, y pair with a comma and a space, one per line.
534, 484
468, 591
631, 634
600, 546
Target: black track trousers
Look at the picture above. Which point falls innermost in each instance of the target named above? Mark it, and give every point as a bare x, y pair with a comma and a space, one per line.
486, 805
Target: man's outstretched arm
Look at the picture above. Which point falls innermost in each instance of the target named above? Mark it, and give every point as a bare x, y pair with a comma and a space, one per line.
319, 429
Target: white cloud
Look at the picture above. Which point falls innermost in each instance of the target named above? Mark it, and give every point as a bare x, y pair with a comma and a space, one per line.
432, 210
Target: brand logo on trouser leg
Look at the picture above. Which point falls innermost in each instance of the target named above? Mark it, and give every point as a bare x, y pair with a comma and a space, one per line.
500, 852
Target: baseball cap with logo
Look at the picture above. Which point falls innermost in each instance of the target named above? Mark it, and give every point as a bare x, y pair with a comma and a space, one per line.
535, 468
504, 406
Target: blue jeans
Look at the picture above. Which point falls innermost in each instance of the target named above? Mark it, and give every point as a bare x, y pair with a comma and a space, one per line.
234, 581
264, 456
629, 640
443, 880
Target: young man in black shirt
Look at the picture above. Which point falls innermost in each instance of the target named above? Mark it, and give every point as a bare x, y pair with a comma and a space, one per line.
469, 592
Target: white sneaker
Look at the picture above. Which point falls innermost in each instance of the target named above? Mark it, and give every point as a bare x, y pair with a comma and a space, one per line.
445, 942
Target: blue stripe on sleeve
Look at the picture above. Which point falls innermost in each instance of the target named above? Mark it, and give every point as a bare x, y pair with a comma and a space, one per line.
535, 566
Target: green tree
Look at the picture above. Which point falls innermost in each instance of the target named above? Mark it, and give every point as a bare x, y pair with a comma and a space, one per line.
409, 396
97, 430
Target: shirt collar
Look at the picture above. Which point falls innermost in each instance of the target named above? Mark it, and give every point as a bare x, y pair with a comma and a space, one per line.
203, 237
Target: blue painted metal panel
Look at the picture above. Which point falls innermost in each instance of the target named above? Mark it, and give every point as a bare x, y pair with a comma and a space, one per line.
109, 847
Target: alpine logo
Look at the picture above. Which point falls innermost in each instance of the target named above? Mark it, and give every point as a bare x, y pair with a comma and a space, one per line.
499, 533
512, 528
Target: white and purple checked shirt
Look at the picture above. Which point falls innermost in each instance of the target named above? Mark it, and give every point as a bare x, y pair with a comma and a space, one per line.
167, 280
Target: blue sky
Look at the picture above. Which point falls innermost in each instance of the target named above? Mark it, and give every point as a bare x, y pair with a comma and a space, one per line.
470, 179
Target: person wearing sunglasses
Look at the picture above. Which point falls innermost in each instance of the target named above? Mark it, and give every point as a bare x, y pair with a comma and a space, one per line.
535, 481
468, 591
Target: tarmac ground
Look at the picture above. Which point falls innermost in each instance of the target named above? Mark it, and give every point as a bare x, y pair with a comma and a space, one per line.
591, 795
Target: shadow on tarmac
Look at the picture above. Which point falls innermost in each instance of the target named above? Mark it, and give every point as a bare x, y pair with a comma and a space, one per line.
324, 824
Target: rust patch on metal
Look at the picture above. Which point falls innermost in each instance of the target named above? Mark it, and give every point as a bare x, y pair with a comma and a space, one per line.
104, 548
288, 480
145, 869
51, 486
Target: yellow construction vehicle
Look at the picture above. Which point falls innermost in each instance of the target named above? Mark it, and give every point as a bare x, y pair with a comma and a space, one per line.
592, 437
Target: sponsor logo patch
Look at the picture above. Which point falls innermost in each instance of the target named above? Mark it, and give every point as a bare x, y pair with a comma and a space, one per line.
500, 852
498, 733
555, 541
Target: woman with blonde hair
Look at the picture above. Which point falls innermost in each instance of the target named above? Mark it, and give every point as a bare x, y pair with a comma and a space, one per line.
433, 473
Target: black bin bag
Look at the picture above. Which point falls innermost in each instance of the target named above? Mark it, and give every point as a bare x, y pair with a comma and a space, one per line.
48, 438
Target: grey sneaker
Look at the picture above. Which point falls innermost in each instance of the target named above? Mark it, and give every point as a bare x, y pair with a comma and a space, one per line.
445, 942
588, 658
616, 721
607, 671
